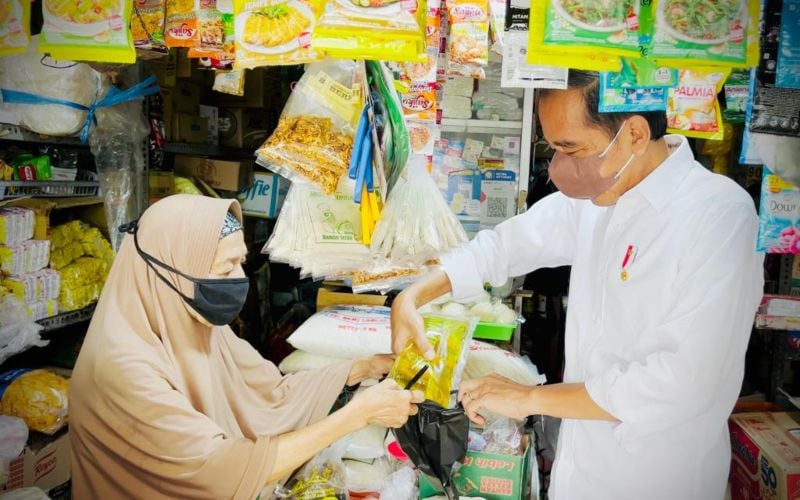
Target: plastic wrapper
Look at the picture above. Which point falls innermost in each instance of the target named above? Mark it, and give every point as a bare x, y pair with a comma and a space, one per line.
416, 224
401, 485
703, 32
81, 283
468, 43
73, 240
16, 225
366, 478
27, 257
148, 24
590, 26
38, 397
323, 478
300, 360
186, 186
348, 332
33, 287
486, 359
381, 275
97, 30
17, 330
182, 23
274, 33
778, 230
737, 90
15, 18
13, 437
436, 441
314, 137
390, 30
450, 340
366, 444
229, 82
77, 83
500, 436
32, 493
41, 309
692, 108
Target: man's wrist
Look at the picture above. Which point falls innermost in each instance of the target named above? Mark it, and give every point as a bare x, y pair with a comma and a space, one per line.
533, 401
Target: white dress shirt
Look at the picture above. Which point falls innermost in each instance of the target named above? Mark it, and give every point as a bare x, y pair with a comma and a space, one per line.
660, 343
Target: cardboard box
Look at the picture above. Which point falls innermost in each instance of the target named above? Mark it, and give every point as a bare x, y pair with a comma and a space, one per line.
183, 68
162, 184
489, 476
243, 128
167, 105
254, 92
192, 129
45, 463
186, 97
265, 197
165, 70
219, 174
211, 114
765, 459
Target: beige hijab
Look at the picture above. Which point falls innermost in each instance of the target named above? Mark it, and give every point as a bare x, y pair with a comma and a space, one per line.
164, 407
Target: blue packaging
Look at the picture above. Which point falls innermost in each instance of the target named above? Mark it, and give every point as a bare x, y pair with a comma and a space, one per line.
778, 216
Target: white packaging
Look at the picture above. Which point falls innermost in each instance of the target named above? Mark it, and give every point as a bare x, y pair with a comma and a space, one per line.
367, 477
457, 107
350, 332
485, 359
458, 87
299, 361
366, 444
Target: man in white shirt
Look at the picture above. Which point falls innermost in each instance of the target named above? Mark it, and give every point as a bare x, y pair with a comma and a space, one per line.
664, 286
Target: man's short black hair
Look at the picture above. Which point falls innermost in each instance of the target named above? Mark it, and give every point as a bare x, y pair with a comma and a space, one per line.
589, 82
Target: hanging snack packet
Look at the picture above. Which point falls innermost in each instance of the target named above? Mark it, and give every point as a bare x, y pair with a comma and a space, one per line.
315, 134
692, 107
737, 90
274, 33
706, 32
497, 10
611, 27
468, 43
779, 216
229, 82
643, 73
15, 20
183, 23
641, 86
450, 339
147, 25
217, 35
96, 31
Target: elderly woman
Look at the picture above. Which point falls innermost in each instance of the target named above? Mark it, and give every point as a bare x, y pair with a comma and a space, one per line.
166, 402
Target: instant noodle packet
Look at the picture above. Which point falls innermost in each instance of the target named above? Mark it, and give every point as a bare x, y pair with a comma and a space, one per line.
217, 35
468, 43
706, 32
270, 33
15, 26
692, 107
97, 30
613, 27
182, 27
147, 26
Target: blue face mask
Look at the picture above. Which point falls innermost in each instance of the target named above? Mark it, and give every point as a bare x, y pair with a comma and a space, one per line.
219, 301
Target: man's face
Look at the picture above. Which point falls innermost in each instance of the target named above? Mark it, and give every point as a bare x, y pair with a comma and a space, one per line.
562, 114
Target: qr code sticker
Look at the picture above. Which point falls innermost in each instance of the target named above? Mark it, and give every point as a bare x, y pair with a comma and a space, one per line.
496, 208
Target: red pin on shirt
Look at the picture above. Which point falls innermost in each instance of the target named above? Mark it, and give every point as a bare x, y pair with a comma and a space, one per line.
630, 256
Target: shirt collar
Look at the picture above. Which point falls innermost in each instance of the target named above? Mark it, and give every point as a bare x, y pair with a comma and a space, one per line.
660, 186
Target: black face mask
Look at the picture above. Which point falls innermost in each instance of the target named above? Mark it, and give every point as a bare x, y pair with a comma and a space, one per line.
219, 301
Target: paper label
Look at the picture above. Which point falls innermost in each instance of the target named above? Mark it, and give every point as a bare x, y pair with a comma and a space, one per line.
332, 94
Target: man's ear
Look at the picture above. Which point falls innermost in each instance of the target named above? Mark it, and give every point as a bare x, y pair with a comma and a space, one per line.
639, 131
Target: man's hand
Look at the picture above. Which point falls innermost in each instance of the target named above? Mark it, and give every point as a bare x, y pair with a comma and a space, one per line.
407, 325
497, 395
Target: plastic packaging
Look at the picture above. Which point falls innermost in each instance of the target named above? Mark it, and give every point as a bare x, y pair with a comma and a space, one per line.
33, 287
365, 479
450, 340
229, 82
779, 216
27, 257
15, 20
315, 134
468, 43
274, 33
500, 436
299, 361
16, 225
736, 94
182, 23
630, 99
148, 24
693, 109
96, 31
401, 485
17, 331
348, 332
13, 437
323, 478
485, 359
366, 444
436, 441
591, 26
39, 397
81, 283
704, 32
32, 493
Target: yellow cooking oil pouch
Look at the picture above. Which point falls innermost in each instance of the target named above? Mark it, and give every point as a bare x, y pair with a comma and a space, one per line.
15, 21
450, 338
693, 109
88, 30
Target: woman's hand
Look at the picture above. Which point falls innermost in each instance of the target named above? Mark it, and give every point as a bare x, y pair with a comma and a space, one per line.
497, 395
407, 325
374, 367
386, 404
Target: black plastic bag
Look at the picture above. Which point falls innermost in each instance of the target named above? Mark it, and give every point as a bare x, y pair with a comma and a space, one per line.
436, 440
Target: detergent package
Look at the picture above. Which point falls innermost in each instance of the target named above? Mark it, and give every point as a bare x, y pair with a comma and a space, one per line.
779, 216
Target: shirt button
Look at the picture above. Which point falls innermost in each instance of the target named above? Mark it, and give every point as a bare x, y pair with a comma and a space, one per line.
597, 320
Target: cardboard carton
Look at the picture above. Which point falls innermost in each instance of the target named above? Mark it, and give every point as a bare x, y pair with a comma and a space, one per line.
265, 197
162, 184
765, 461
211, 114
243, 128
186, 97
219, 174
45, 463
192, 129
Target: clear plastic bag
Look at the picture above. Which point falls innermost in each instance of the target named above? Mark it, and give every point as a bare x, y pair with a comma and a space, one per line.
38, 397
17, 330
486, 359
315, 134
500, 436
323, 478
401, 485
450, 338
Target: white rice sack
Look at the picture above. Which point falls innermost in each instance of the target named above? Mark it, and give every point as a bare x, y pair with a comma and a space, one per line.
485, 359
349, 332
31, 493
367, 477
366, 444
300, 361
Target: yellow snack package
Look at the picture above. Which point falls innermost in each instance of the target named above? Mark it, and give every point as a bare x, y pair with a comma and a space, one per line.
15, 21
147, 25
88, 30
183, 23
692, 107
468, 43
38, 397
450, 339
273, 33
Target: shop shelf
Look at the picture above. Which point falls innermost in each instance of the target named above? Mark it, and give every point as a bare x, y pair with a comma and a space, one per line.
67, 319
479, 126
86, 184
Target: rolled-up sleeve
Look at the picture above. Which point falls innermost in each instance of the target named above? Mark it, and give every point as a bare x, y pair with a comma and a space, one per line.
543, 236
704, 332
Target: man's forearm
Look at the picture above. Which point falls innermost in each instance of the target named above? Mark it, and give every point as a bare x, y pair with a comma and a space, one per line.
565, 401
429, 288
